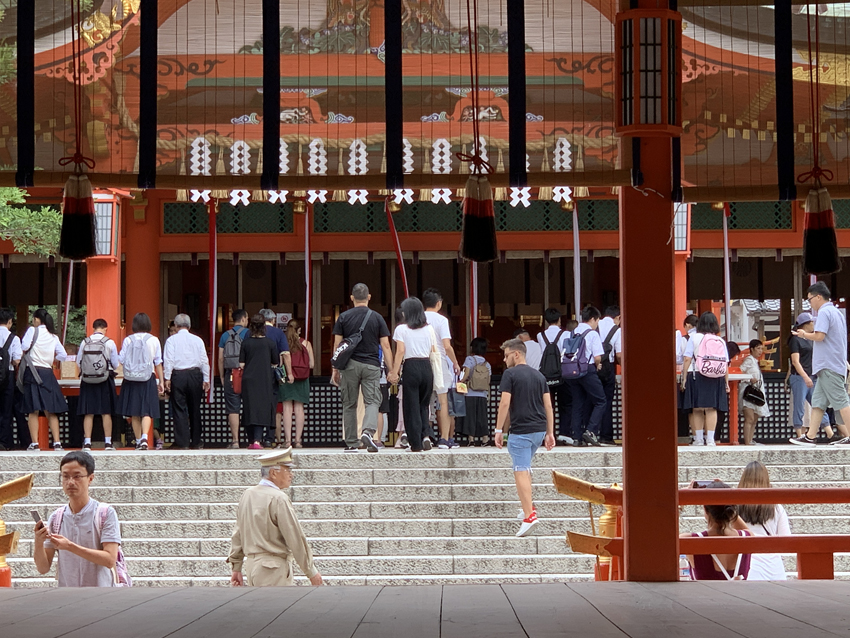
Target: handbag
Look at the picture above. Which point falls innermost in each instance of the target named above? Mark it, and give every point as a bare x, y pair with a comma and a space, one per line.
436, 360
753, 394
457, 403
343, 352
236, 380
280, 375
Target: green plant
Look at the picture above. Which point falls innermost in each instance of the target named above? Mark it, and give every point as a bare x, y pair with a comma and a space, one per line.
31, 229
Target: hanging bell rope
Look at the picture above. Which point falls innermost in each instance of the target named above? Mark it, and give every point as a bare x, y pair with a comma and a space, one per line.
77, 236
820, 245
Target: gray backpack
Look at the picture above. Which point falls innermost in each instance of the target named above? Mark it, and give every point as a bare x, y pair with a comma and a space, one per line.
138, 364
94, 361
232, 348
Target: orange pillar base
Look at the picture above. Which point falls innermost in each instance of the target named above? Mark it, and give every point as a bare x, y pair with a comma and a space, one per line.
5, 576
733, 412
43, 433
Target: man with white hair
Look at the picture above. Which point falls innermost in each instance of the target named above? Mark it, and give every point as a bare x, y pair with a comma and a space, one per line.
268, 536
186, 369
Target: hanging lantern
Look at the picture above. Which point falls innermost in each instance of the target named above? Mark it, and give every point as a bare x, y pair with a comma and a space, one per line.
649, 64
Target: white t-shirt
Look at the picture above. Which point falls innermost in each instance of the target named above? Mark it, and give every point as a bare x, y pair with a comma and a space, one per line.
604, 327
417, 343
769, 566
441, 327
533, 354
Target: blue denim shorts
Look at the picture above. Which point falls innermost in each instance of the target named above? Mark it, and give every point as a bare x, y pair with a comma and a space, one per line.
522, 447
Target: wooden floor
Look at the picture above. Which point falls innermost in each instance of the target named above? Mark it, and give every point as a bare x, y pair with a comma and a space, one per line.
792, 609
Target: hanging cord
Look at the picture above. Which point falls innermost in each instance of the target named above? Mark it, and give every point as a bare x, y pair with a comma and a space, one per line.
479, 164
78, 159
817, 173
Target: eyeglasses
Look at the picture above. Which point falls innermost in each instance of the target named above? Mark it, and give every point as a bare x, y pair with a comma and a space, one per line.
68, 478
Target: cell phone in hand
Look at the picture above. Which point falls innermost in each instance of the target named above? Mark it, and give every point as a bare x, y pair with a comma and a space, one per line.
36, 517
704, 483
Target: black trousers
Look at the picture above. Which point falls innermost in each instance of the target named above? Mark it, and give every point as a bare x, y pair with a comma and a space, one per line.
7, 416
562, 398
587, 393
187, 392
24, 439
606, 432
416, 399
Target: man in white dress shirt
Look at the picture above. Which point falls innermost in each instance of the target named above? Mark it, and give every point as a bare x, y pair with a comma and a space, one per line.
610, 333
587, 391
187, 377
10, 344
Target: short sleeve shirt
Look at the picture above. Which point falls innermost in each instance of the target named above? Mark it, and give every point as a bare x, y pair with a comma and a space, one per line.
441, 326
376, 328
605, 325
278, 336
804, 348
81, 528
240, 330
592, 342
831, 353
527, 387
417, 343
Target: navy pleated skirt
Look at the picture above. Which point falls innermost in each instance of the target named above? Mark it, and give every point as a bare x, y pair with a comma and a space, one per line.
139, 398
97, 398
46, 397
705, 392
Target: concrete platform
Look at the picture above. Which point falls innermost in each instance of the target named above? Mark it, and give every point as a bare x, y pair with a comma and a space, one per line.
809, 609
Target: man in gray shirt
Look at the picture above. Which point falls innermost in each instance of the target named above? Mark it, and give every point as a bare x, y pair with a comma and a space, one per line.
829, 364
88, 547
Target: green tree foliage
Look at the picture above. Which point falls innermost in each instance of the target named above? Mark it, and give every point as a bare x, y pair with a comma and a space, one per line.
76, 323
31, 229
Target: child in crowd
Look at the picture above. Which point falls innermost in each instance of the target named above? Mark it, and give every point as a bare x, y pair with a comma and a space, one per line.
476, 375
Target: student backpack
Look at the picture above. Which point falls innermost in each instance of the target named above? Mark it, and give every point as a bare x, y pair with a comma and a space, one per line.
5, 359
711, 357
94, 361
232, 348
479, 376
120, 574
550, 360
300, 362
609, 370
574, 364
138, 365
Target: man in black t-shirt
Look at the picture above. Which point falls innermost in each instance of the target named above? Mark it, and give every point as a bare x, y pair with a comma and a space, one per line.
526, 400
363, 372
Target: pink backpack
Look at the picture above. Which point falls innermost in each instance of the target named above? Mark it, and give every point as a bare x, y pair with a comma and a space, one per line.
711, 357
120, 574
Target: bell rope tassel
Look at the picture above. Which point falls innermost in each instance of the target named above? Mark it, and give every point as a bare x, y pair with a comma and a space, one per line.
478, 235
820, 246
77, 235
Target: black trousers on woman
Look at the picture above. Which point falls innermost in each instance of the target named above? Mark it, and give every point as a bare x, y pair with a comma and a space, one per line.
418, 385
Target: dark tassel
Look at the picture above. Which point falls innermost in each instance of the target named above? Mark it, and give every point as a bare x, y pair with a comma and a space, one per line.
478, 236
77, 237
820, 246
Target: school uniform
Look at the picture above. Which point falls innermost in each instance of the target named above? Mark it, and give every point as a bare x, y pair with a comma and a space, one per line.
606, 324
7, 391
561, 395
99, 398
587, 391
43, 349
703, 392
140, 398
187, 366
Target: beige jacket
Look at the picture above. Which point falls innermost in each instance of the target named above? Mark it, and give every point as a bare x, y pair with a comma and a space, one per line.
266, 524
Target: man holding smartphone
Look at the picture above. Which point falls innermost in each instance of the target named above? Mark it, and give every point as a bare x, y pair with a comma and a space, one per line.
86, 534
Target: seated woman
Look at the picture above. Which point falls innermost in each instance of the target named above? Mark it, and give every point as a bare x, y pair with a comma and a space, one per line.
763, 520
721, 521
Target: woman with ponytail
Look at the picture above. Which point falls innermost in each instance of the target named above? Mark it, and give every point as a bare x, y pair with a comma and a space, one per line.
722, 520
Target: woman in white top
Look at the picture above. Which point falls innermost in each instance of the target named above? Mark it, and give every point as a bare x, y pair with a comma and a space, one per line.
763, 520
415, 341
141, 356
752, 412
42, 347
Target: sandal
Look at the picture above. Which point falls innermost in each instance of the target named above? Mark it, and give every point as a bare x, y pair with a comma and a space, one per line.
298, 444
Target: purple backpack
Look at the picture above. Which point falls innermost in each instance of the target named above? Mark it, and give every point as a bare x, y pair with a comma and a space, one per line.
119, 572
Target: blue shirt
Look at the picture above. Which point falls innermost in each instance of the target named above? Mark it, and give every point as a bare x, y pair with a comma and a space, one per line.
240, 330
279, 337
831, 353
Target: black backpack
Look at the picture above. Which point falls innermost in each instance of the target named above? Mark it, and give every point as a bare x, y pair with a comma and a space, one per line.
608, 370
550, 360
5, 359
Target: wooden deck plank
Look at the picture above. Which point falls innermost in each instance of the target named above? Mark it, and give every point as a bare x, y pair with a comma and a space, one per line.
158, 617
325, 612
640, 613
477, 611
778, 601
20, 609
76, 616
245, 615
411, 612
726, 609
553, 611
818, 588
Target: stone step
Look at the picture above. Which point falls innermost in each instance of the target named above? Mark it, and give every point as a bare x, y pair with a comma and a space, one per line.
356, 565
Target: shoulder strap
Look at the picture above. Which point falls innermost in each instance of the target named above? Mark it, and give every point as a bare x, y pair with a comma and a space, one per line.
611, 334
34, 338
7, 344
558, 338
545, 338
100, 518
366, 319
57, 520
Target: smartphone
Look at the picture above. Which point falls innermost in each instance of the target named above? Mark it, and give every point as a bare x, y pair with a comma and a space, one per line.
704, 483
36, 517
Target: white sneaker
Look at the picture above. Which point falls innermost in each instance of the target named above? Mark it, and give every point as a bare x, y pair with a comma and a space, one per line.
710, 443
696, 443
527, 525
33, 447
521, 514
566, 440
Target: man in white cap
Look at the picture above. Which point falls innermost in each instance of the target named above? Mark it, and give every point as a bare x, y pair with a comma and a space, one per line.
268, 536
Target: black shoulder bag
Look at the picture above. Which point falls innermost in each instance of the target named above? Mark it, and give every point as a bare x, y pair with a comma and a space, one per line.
343, 352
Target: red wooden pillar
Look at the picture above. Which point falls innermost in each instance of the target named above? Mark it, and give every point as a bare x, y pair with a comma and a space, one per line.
650, 462
681, 288
141, 250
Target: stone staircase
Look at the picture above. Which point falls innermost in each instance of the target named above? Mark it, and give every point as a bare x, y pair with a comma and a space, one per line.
393, 518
